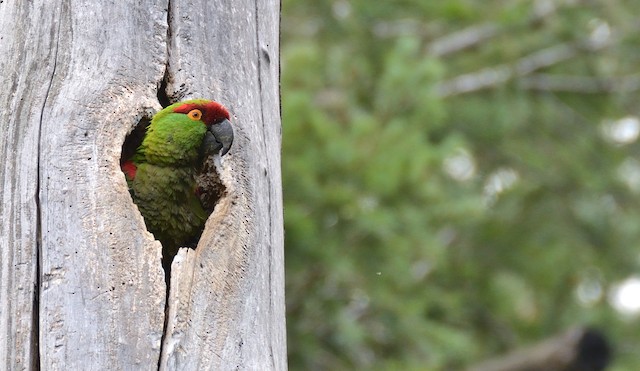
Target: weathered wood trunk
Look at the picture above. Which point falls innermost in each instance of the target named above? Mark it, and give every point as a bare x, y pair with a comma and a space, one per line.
81, 281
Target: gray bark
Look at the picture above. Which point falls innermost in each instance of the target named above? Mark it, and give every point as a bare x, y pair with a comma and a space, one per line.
81, 283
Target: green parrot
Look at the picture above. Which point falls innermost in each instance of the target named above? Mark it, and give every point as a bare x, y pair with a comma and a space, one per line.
162, 173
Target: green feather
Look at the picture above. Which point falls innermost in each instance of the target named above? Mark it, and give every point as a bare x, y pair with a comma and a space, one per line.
164, 183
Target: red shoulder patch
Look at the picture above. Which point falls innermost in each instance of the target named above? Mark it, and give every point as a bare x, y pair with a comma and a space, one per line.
129, 169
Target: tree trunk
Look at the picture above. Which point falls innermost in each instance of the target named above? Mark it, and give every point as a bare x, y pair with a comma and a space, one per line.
81, 280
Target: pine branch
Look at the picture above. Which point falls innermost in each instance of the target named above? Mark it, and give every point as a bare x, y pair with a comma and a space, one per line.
500, 74
581, 84
577, 349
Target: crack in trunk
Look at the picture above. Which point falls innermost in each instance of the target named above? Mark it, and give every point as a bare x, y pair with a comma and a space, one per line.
208, 180
163, 98
35, 327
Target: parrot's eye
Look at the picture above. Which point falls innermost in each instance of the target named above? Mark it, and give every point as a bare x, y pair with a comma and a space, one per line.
195, 114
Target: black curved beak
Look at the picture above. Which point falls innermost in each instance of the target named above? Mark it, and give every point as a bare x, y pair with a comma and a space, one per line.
218, 138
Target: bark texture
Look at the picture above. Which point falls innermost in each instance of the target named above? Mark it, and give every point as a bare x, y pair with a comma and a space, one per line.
227, 296
81, 281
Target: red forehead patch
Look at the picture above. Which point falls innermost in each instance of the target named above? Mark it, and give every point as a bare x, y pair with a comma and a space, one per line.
212, 112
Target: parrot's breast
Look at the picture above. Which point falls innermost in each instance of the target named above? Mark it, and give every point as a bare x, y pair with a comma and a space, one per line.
167, 200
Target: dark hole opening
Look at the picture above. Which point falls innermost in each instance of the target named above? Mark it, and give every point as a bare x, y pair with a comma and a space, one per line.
209, 187
163, 98
134, 139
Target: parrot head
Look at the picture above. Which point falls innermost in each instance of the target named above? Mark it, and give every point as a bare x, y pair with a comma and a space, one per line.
185, 131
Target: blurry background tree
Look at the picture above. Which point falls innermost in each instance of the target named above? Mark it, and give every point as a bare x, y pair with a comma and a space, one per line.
461, 178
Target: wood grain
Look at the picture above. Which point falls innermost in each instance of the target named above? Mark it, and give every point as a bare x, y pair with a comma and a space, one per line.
81, 283
102, 290
228, 295
26, 71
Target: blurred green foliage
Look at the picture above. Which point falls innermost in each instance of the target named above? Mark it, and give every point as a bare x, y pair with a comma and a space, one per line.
430, 222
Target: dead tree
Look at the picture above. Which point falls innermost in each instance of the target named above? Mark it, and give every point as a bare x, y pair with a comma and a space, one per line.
81, 281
